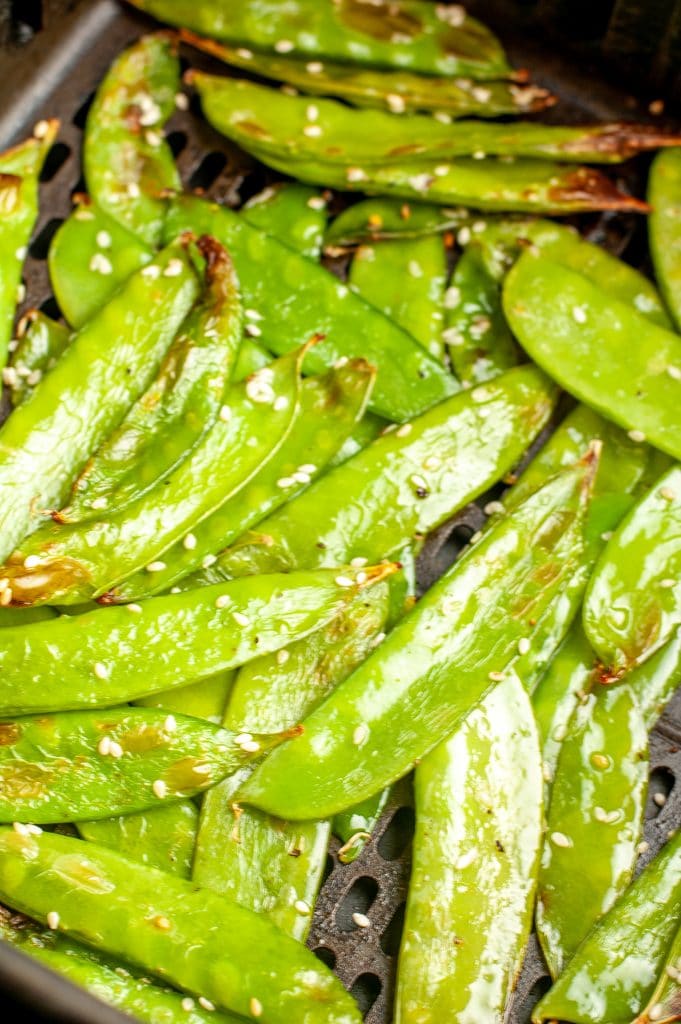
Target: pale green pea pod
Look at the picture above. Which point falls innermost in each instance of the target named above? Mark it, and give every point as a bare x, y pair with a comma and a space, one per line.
293, 213
40, 342
161, 837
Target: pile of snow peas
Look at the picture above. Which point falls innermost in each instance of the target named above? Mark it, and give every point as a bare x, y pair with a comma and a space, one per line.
218, 471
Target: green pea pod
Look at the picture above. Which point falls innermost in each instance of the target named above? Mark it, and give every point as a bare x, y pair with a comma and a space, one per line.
408, 380
403, 485
406, 280
79, 561
193, 938
90, 256
355, 825
366, 431
633, 602
129, 167
161, 838
373, 220
664, 1005
101, 658
178, 408
478, 802
40, 343
25, 616
292, 213
205, 699
252, 357
397, 91
107, 366
402, 701
19, 171
664, 190
406, 35
588, 354
613, 972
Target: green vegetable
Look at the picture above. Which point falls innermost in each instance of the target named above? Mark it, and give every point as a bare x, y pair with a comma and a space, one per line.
292, 213
161, 838
40, 342
372, 220
664, 1005
664, 193
355, 825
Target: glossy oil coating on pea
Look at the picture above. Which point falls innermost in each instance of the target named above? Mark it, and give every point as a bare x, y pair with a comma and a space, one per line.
295, 214
664, 1005
633, 602
582, 338
478, 802
90, 256
102, 658
162, 837
107, 366
613, 972
372, 220
194, 938
128, 164
425, 677
40, 343
297, 300
407, 34
664, 194
205, 699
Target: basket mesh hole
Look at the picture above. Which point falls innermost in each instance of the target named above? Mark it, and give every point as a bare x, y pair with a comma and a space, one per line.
366, 990
660, 786
326, 955
328, 867
523, 1010
55, 160
50, 308
27, 15
208, 170
177, 142
398, 834
80, 116
357, 900
41, 243
390, 939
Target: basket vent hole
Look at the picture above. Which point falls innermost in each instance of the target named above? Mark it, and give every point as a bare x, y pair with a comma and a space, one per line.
177, 142
27, 16
50, 308
660, 785
523, 1011
328, 867
208, 170
54, 161
41, 243
398, 834
80, 116
357, 900
390, 939
366, 990
326, 955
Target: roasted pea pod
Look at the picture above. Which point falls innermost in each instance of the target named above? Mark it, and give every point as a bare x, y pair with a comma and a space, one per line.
355, 825
612, 974
193, 938
664, 1005
367, 430
478, 802
39, 344
162, 837
633, 602
415, 689
90, 256
581, 337
408, 379
664, 193
129, 167
101, 658
19, 171
295, 214
252, 357
205, 699
406, 280
373, 220
107, 366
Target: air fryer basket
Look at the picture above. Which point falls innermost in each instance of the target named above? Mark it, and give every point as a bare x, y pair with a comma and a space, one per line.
52, 56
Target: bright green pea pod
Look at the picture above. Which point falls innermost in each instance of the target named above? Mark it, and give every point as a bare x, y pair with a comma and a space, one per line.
580, 336
633, 602
41, 341
613, 972
366, 431
406, 280
90, 256
128, 164
101, 658
373, 220
191, 937
655, 681
664, 1005
252, 357
19, 171
295, 214
161, 837
107, 366
403, 485
594, 820
205, 699
408, 34
298, 300
420, 683
179, 407
664, 194
355, 825
24, 616
478, 802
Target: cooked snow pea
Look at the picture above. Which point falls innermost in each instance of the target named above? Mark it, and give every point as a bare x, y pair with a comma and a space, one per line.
664, 194
633, 602
406, 280
407, 34
205, 699
90, 256
594, 820
581, 337
44, 444
366, 431
417, 686
293, 213
372, 220
129, 167
79, 561
162, 837
19, 171
613, 972
178, 408
40, 342
297, 300
401, 486
355, 825
664, 1005
478, 802
102, 658
81, 765
193, 938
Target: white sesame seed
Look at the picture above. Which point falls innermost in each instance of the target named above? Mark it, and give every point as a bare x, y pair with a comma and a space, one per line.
283, 46
443, 117
359, 562
637, 436
345, 581
419, 483
205, 1003
479, 154
115, 749
307, 467
100, 264
523, 645
464, 236
41, 129
606, 535
301, 478
241, 619
159, 789
259, 388
643, 847
189, 542
395, 102
252, 314
21, 252
312, 131
660, 799
404, 430
312, 112
317, 203
481, 94
243, 737
173, 268
674, 372
559, 839
579, 314
20, 828
301, 907
452, 297
187, 1004
415, 269
103, 239
252, 330
493, 508
355, 174
133, 190
100, 670
134, 608
21, 292
6, 597
361, 920
34, 830
655, 1011
606, 817
175, 590
152, 271
153, 139
281, 403
361, 734
465, 860
181, 101
208, 560
31, 562
34, 377
420, 182
222, 601
255, 1006
315, 67
285, 481
98, 503
9, 377
282, 656
244, 53
53, 920
170, 724
156, 566
84, 214
667, 583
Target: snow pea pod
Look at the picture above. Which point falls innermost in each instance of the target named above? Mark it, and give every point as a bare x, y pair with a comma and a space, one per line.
297, 300
101, 658
633, 602
19, 171
664, 1005
107, 366
372, 220
40, 342
162, 837
664, 194
205, 699
614, 970
478, 802
580, 336
128, 164
295, 214
193, 938
403, 700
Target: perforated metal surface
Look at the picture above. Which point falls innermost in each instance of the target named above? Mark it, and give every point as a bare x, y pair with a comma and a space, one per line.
56, 76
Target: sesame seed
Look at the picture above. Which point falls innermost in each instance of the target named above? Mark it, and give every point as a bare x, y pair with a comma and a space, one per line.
253, 331
452, 297
115, 749
100, 670
34, 830
301, 478
404, 430
674, 372
84, 214
53, 920
476, 537
250, 746
493, 508
153, 139
478, 227
283, 46
312, 131
156, 566
606, 535
302, 907
207, 561
559, 839
432, 462
481, 94
523, 645
170, 724
655, 1011
255, 1006
21, 292
189, 542
443, 117
579, 314
361, 734
420, 182
244, 53
660, 799
637, 435
317, 203
361, 920
205, 1003
100, 264
281, 403
20, 828
464, 236
9, 377
465, 860
133, 189
181, 101
243, 737
395, 102
222, 601
6, 597
161, 922
282, 656
667, 493
134, 608
252, 314
98, 503
21, 252
315, 67
31, 562
187, 1004
345, 581
415, 269
175, 590
173, 268
285, 481
103, 239
419, 483
358, 563
259, 389
643, 847
362, 577
479, 154
152, 271
159, 789
41, 129
307, 467
241, 619
355, 174
667, 583
312, 112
